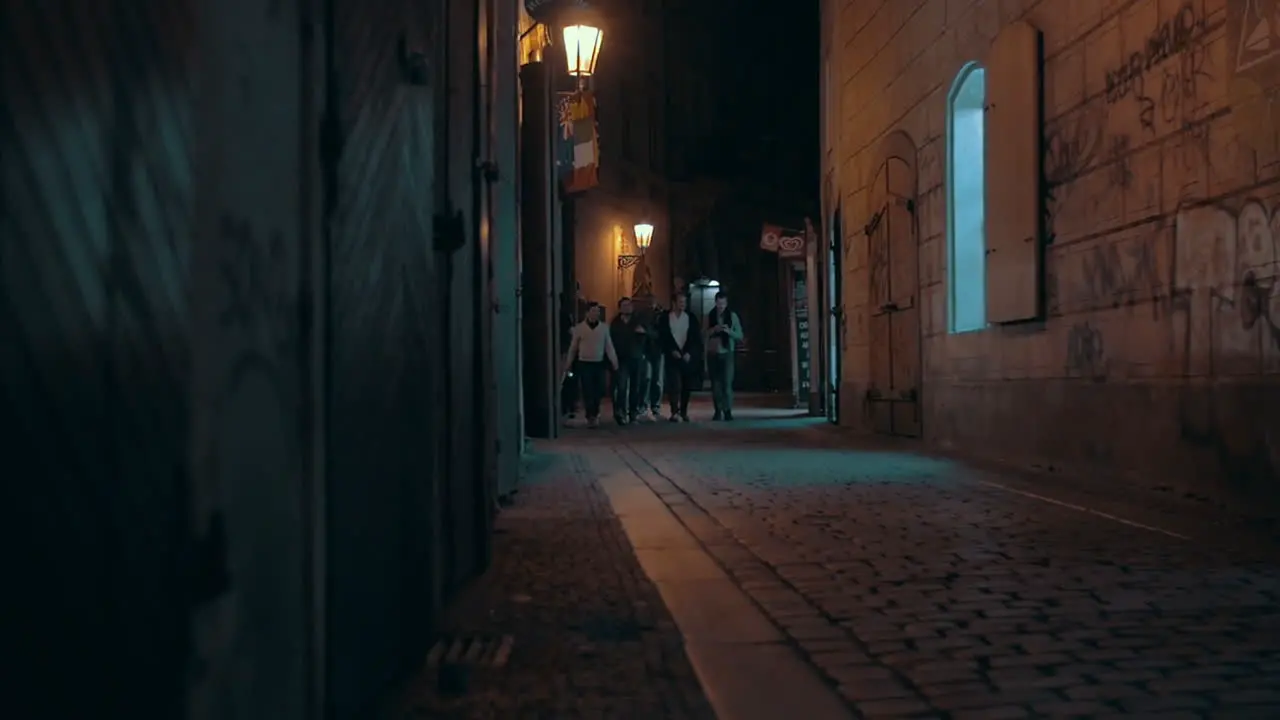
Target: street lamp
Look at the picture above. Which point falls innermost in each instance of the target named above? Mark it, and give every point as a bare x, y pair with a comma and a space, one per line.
582, 50
644, 237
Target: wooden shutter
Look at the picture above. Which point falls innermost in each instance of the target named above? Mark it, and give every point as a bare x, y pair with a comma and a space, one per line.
1013, 197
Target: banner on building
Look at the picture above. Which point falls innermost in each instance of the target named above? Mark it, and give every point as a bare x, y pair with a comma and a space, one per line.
788, 243
577, 142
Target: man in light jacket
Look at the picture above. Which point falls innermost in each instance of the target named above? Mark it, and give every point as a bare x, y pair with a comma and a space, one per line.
723, 333
590, 347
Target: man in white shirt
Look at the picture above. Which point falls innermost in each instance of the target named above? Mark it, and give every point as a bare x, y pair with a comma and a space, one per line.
590, 346
682, 342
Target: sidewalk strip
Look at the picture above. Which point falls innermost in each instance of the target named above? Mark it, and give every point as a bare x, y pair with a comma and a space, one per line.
748, 669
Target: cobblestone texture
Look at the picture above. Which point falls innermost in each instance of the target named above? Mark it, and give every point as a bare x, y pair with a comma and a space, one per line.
919, 591
592, 637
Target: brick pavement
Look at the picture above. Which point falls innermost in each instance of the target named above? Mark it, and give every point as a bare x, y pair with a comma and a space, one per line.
920, 591
592, 637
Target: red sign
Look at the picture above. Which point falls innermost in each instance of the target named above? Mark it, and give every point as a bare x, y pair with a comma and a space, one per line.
786, 242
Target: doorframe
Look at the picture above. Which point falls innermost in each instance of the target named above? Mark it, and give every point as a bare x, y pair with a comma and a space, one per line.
898, 144
835, 325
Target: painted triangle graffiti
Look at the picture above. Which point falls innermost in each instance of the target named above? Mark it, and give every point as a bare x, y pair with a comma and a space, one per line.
1259, 34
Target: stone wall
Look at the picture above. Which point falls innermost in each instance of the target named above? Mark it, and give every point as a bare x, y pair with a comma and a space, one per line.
1157, 356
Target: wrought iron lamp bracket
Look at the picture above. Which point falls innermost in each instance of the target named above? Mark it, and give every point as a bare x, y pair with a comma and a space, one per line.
628, 261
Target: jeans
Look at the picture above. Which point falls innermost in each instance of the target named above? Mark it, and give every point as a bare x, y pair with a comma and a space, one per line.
627, 387
721, 366
680, 375
654, 370
592, 377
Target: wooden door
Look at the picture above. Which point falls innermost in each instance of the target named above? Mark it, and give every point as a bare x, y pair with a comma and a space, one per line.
894, 392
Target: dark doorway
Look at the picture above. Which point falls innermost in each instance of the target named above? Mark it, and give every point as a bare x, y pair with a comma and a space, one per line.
835, 315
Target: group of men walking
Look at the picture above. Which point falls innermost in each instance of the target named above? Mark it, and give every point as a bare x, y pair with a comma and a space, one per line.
650, 352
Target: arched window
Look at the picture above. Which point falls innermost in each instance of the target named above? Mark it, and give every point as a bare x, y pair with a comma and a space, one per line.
966, 211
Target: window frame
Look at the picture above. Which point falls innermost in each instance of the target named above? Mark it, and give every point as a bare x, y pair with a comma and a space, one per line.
957, 86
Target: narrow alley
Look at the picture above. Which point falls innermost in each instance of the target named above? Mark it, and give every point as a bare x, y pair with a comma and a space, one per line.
295, 298
809, 579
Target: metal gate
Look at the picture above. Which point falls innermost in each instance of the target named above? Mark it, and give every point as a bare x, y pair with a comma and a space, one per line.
893, 396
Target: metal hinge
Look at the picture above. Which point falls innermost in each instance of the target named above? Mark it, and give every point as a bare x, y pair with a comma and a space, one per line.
488, 170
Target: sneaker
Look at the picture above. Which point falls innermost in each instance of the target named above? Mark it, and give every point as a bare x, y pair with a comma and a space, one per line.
619, 420
675, 417
684, 417
717, 416
728, 417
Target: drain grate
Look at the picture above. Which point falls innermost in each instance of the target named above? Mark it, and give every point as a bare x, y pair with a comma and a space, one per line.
490, 653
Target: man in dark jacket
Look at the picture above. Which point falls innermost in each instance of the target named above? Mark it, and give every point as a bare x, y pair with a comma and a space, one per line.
628, 333
653, 369
682, 346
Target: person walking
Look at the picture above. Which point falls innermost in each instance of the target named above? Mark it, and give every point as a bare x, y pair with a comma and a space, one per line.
723, 333
590, 347
628, 334
654, 366
681, 343
570, 389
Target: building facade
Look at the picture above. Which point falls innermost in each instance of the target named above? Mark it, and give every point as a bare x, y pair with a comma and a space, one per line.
260, 356
1051, 233
630, 87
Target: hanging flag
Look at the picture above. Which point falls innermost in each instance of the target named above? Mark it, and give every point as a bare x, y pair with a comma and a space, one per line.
577, 142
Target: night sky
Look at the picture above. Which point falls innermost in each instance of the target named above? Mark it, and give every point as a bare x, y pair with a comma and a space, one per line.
771, 73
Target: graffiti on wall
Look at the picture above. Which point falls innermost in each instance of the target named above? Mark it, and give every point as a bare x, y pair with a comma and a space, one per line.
1159, 90
1129, 271
1086, 352
1228, 263
1232, 260
1163, 77
1073, 146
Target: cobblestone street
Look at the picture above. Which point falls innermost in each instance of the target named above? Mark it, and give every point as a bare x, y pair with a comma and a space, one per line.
911, 585
592, 638
919, 587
